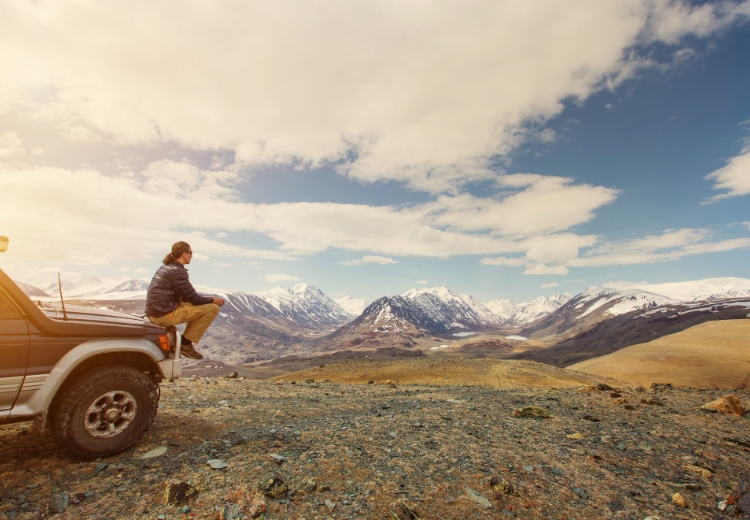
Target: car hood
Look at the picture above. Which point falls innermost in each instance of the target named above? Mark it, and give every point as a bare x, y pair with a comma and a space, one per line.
95, 315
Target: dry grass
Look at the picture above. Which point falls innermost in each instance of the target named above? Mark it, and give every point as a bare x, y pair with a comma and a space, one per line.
490, 373
714, 355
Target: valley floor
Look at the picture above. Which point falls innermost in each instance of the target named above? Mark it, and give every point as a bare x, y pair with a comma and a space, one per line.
365, 446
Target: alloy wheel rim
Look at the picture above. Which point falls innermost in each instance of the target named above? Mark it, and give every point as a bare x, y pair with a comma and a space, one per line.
110, 414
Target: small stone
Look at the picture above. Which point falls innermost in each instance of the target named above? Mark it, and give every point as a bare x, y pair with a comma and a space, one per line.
59, 503
606, 439
581, 493
183, 510
278, 459
178, 492
479, 499
351, 487
679, 500
653, 401
310, 485
528, 469
230, 512
309, 381
217, 464
701, 471
501, 486
722, 505
156, 452
273, 487
232, 375
533, 412
729, 404
330, 505
400, 510
576, 435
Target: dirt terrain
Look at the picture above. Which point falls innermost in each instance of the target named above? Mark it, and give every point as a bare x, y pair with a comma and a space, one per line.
454, 451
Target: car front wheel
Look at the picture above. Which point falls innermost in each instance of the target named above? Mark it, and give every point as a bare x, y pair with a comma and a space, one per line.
105, 411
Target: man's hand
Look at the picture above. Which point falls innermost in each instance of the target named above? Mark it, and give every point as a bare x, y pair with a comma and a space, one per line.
219, 301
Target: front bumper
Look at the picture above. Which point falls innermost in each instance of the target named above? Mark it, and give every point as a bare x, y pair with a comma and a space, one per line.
171, 368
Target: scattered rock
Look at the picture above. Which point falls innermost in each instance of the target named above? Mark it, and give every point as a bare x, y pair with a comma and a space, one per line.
533, 412
701, 471
653, 401
156, 452
729, 404
179, 492
309, 381
581, 493
741, 496
217, 464
679, 500
59, 503
501, 486
576, 436
479, 499
310, 485
329, 504
230, 512
600, 386
400, 510
278, 459
100, 467
272, 486
232, 375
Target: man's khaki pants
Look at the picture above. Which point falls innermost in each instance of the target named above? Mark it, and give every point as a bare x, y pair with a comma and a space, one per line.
197, 317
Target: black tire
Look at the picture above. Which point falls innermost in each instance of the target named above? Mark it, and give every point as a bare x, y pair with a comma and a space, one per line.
105, 411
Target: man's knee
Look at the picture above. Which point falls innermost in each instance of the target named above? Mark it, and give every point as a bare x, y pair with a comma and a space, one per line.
213, 310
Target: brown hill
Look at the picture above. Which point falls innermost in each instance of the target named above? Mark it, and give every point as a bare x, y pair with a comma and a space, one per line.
713, 355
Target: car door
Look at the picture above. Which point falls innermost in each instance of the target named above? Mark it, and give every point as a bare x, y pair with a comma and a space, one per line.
14, 351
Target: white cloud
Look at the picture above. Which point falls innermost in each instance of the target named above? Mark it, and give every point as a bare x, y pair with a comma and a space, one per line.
422, 282
280, 278
424, 95
10, 145
142, 270
371, 259
220, 234
670, 245
537, 204
734, 177
548, 285
746, 224
546, 269
501, 260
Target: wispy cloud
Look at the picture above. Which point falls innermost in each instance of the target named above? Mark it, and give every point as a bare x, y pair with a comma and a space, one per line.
280, 278
370, 259
734, 178
548, 285
422, 282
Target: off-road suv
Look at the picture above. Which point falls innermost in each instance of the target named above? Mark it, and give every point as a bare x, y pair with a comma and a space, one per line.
93, 375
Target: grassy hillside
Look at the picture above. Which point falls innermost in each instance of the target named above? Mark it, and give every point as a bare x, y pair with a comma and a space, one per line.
492, 373
715, 354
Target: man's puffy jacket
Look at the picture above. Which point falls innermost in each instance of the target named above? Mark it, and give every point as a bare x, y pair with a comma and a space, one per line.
169, 287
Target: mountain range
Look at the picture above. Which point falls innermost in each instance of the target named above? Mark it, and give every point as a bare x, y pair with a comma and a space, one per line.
303, 319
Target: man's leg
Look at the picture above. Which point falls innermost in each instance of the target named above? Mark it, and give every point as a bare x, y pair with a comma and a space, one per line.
198, 319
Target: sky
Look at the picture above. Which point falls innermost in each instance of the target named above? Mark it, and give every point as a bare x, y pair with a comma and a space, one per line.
504, 149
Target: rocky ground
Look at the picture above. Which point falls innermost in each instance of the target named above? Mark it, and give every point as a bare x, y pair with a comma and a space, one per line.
327, 450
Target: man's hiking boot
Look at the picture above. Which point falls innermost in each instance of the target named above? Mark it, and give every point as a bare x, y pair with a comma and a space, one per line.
188, 350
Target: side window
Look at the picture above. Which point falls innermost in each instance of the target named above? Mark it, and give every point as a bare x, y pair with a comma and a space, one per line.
8, 310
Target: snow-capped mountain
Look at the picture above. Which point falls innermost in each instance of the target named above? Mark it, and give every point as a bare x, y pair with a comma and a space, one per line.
597, 303
512, 313
454, 310
306, 305
31, 290
696, 290
91, 287
353, 306
503, 309
416, 313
